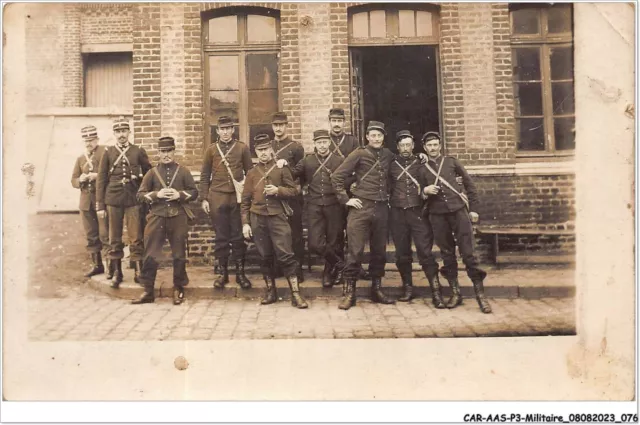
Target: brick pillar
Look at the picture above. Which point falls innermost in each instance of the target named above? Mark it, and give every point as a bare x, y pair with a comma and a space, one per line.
315, 69
172, 63
73, 80
146, 75
290, 66
193, 86
340, 60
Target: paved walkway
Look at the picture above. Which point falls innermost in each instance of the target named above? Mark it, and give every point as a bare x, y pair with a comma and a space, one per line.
82, 314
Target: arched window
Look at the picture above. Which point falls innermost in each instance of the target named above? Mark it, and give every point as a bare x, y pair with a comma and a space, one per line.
241, 53
542, 57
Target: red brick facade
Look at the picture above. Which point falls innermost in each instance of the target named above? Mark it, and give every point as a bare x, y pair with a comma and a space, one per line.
476, 99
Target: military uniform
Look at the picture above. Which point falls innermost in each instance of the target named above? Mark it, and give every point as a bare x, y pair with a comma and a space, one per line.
449, 216
120, 173
167, 220
324, 212
292, 151
371, 168
95, 228
408, 178
217, 187
267, 217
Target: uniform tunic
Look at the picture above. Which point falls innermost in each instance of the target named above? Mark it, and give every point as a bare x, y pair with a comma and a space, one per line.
265, 214
344, 144
96, 229
217, 187
324, 212
167, 220
371, 168
450, 218
116, 190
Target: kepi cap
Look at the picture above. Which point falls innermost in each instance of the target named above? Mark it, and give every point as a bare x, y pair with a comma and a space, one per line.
321, 134
121, 123
225, 121
261, 140
376, 125
430, 135
89, 132
402, 134
336, 113
279, 118
166, 143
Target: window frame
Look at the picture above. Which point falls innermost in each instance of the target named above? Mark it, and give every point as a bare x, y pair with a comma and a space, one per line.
241, 49
544, 42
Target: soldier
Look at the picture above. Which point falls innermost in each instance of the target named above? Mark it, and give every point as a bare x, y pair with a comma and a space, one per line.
291, 151
325, 214
225, 165
119, 175
167, 188
342, 144
264, 216
369, 213
451, 213
84, 178
408, 178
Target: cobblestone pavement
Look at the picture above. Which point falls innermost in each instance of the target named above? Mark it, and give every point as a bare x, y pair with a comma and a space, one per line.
86, 316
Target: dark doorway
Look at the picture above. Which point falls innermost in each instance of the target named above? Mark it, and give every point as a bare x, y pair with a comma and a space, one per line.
400, 88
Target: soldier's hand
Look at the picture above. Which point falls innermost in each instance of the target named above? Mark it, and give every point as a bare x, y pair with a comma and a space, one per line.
162, 193
459, 180
431, 190
423, 157
83, 178
282, 163
271, 189
246, 231
92, 176
355, 203
205, 206
102, 214
474, 216
173, 194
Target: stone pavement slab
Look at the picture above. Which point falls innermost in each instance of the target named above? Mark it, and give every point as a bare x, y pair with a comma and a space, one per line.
84, 315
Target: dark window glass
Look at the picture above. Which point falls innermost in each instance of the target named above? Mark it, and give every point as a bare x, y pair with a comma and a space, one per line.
224, 103
525, 21
262, 105
559, 19
262, 71
561, 63
529, 99
562, 96
526, 63
531, 131
565, 133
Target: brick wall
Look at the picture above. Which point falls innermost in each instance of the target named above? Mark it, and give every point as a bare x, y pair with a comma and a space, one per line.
44, 46
340, 60
73, 74
106, 23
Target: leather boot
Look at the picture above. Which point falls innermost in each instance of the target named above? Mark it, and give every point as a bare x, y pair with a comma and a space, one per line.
456, 297
98, 268
147, 296
222, 278
296, 299
137, 270
348, 294
377, 296
478, 286
436, 291
338, 276
407, 282
110, 268
178, 295
327, 281
241, 278
117, 273
270, 294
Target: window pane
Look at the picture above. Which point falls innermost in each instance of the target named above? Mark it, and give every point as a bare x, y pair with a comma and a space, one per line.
262, 105
407, 23
559, 17
561, 63
360, 25
223, 29
526, 63
563, 102
378, 23
565, 133
531, 133
223, 103
424, 23
223, 72
262, 71
261, 28
528, 99
526, 21
254, 130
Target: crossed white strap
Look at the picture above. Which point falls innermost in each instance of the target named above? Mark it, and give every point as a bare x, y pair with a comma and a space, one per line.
446, 183
406, 171
121, 157
337, 146
322, 165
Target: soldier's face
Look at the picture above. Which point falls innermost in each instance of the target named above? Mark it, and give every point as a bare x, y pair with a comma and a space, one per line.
225, 133
375, 138
405, 147
279, 129
264, 154
337, 125
122, 135
166, 156
433, 148
90, 144
322, 146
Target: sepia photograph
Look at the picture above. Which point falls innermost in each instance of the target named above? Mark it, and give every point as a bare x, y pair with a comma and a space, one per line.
267, 178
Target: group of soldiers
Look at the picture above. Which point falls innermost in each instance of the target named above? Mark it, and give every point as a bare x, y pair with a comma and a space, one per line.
353, 194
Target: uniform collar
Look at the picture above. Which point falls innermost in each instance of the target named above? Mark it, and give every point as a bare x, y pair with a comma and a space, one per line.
411, 158
280, 140
123, 147
267, 164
